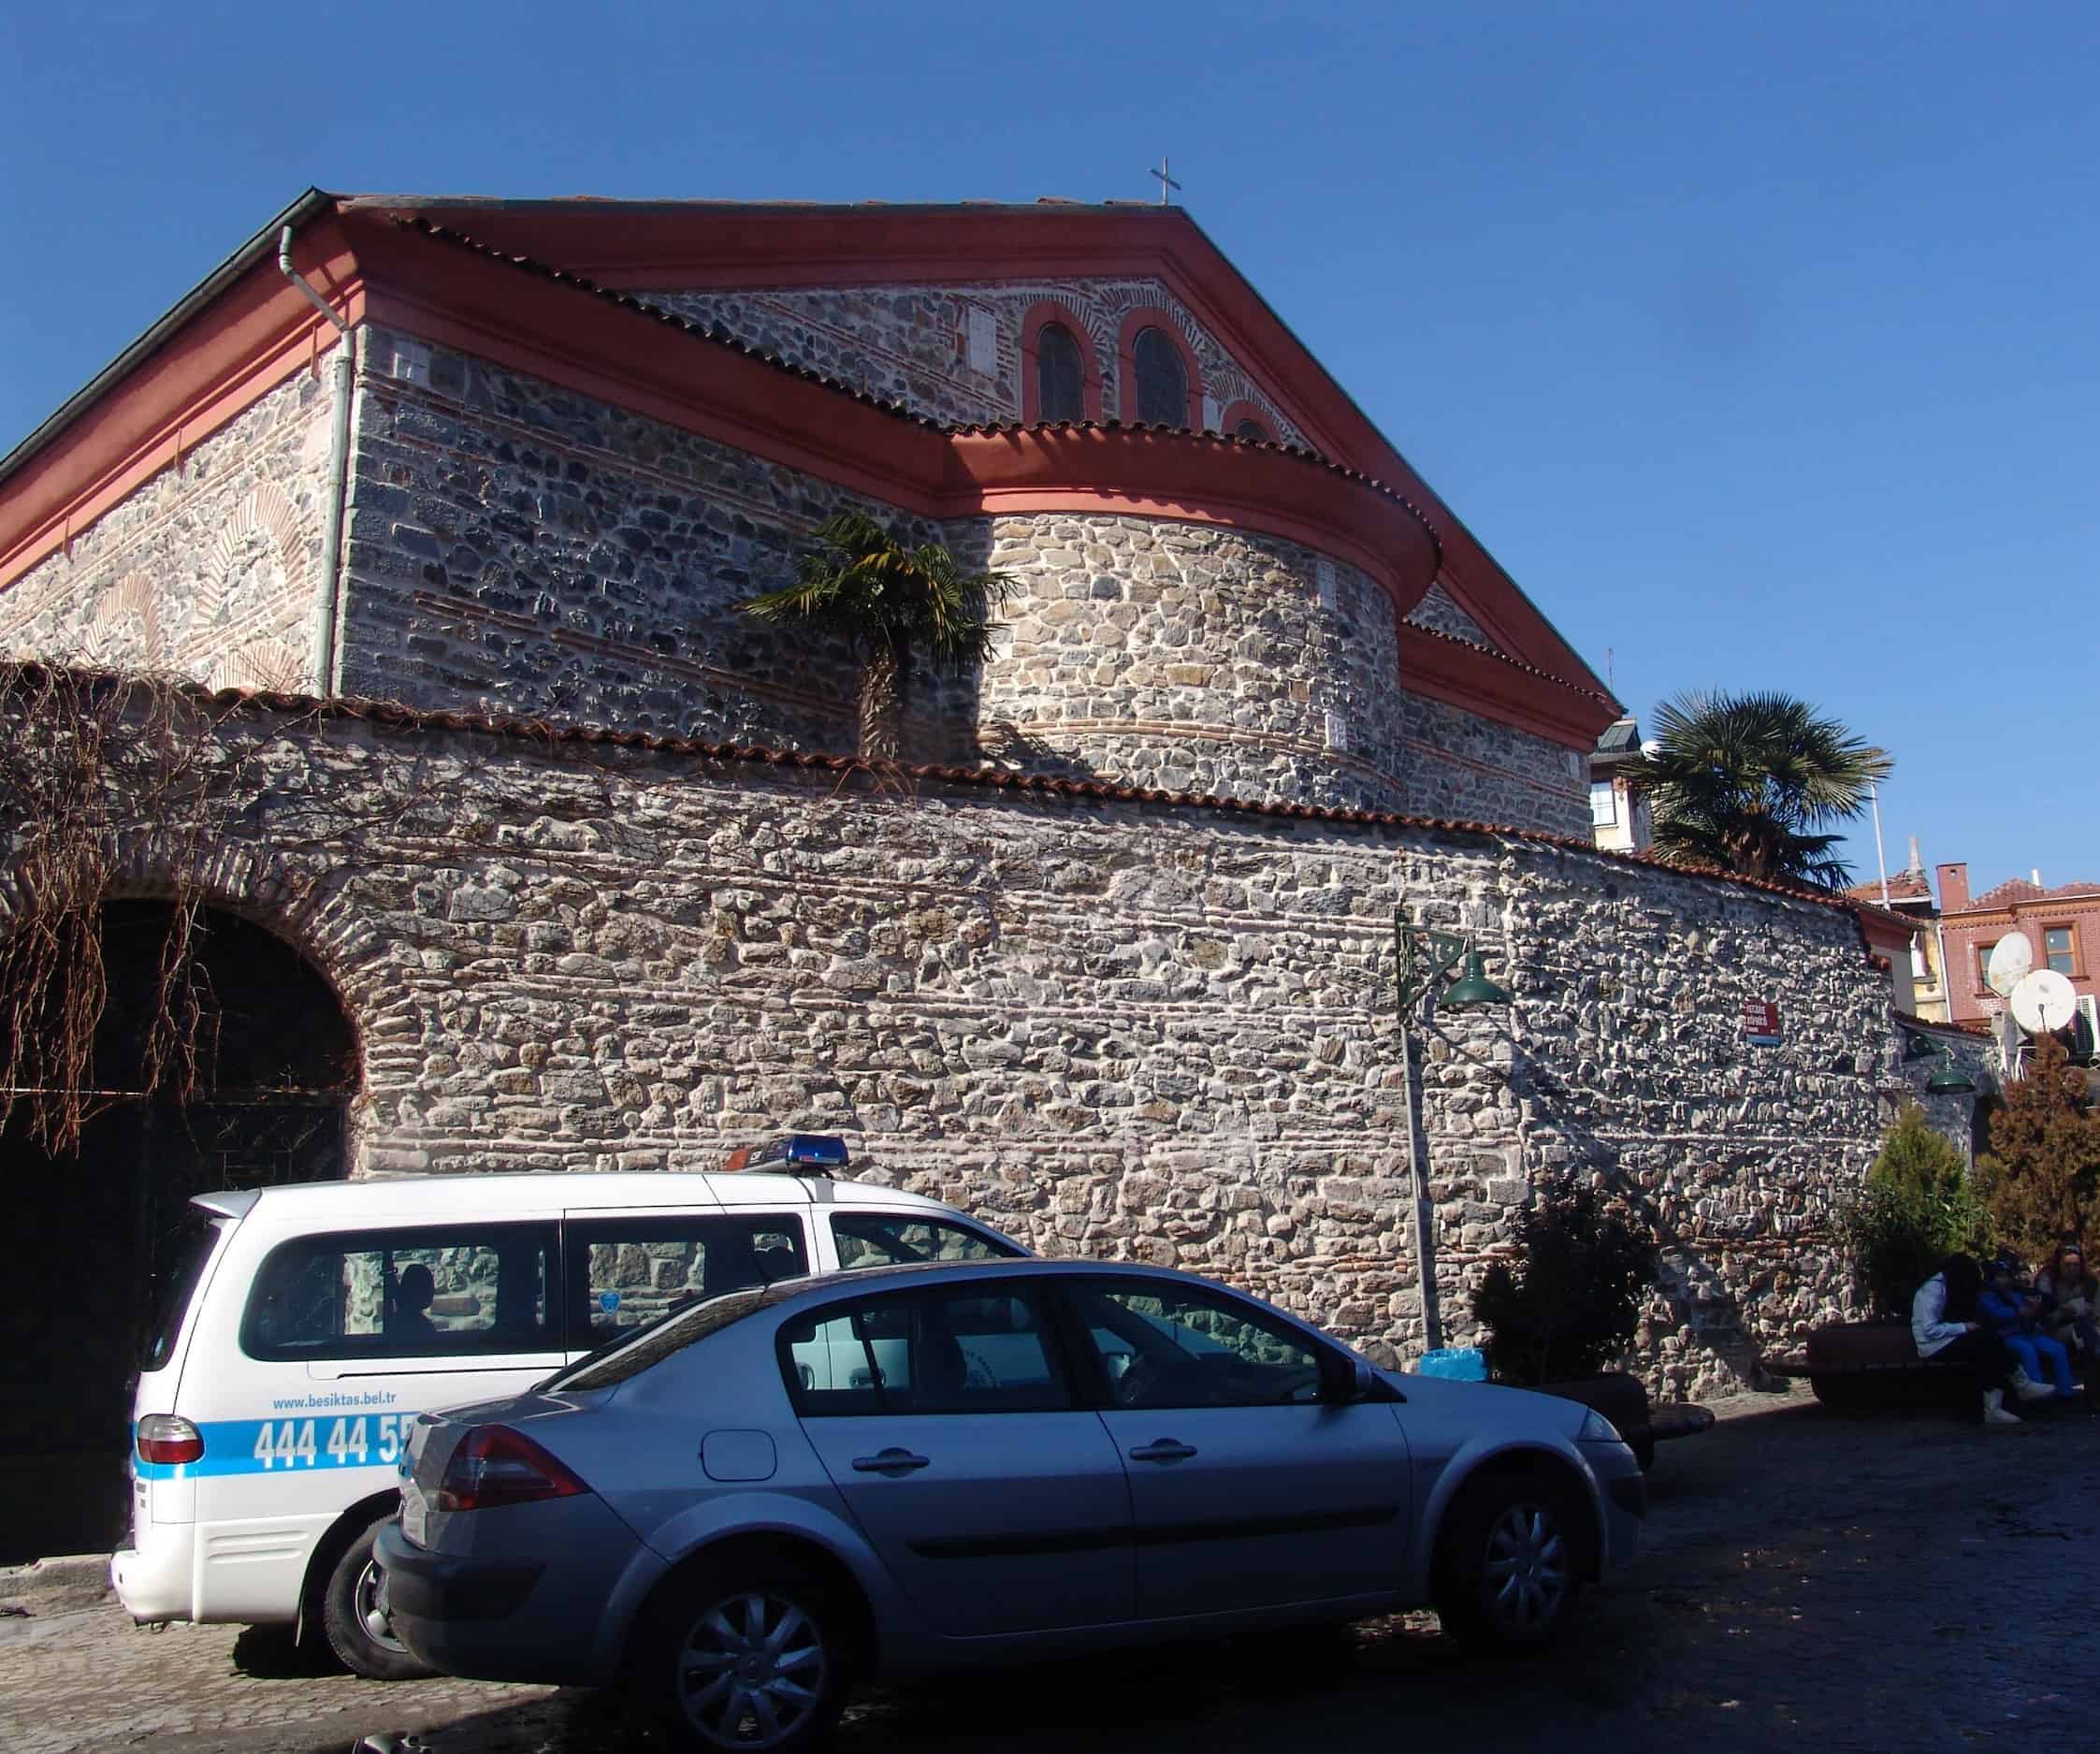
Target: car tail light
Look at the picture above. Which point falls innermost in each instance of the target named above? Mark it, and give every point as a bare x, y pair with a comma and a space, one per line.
164, 1438
495, 1465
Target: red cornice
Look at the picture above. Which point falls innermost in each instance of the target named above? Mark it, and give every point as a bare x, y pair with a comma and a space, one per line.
261, 331
1463, 675
700, 246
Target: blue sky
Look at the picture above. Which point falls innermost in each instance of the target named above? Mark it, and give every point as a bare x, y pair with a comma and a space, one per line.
1758, 342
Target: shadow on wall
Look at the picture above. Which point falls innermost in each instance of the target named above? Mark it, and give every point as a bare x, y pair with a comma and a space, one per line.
1706, 1313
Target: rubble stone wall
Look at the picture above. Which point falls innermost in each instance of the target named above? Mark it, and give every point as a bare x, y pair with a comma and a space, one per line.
1118, 1029
210, 570
520, 548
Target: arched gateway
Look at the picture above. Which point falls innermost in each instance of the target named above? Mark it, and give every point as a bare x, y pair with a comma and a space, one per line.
90, 1233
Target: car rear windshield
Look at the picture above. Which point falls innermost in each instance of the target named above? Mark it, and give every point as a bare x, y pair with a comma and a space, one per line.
631, 1357
178, 1266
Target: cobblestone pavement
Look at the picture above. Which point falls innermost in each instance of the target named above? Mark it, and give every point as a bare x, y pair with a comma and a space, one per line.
1880, 1582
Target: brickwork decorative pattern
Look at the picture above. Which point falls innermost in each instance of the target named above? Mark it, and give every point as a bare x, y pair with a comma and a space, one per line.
911, 344
209, 571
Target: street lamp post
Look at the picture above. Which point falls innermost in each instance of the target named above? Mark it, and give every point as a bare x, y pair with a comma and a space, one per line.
1423, 959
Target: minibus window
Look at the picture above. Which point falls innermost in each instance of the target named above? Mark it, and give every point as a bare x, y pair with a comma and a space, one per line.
187, 1247
433, 1291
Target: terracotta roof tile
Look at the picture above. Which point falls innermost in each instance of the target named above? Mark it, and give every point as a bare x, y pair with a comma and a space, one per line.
2020, 889
1904, 886
547, 731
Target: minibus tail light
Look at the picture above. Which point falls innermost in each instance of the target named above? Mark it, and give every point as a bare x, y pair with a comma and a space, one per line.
164, 1438
495, 1465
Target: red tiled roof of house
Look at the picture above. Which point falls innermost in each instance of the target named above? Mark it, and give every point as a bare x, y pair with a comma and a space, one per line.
1905, 886
2017, 889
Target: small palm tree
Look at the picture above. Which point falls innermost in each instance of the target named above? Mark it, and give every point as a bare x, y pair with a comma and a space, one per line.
891, 602
1743, 782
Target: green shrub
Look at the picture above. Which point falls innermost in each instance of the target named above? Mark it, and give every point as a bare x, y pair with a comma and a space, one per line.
1916, 1208
1567, 1306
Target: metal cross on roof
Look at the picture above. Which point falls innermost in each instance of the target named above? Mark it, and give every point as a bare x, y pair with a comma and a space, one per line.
1165, 183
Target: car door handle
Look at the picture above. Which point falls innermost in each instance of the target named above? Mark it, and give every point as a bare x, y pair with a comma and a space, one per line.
890, 1461
1163, 1449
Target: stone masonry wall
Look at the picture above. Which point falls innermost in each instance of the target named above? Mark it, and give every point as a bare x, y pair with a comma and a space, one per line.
209, 571
1454, 763
516, 547
1122, 1030
911, 344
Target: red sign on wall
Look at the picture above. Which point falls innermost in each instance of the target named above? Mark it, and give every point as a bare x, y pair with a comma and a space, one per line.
1761, 1023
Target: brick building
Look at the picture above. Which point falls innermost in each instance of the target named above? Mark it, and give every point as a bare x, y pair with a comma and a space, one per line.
2061, 924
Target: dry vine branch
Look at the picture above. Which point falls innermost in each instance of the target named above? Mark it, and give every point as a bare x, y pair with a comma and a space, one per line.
94, 764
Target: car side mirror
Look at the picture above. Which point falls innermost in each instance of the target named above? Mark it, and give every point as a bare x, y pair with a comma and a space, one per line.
1344, 1378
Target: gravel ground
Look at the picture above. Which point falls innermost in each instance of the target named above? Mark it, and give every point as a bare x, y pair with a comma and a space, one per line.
1881, 1581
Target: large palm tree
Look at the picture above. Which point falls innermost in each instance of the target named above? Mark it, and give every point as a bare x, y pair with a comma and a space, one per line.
1747, 782
892, 602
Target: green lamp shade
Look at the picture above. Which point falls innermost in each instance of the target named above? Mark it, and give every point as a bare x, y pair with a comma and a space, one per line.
1949, 1080
1472, 988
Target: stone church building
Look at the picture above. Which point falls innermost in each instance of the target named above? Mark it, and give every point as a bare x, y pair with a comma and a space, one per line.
452, 502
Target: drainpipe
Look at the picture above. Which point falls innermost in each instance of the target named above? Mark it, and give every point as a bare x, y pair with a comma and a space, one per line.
344, 371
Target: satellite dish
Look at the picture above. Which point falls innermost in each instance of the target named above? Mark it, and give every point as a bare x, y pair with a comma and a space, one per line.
2043, 1002
2011, 958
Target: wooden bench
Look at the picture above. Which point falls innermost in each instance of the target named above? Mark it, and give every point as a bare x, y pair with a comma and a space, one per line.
1624, 1401
1874, 1364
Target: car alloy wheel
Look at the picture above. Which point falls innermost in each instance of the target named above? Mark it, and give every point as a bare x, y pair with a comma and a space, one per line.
752, 1670
369, 1597
354, 1618
1525, 1575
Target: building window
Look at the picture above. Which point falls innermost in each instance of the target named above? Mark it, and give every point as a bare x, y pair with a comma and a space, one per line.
1162, 385
1252, 429
1060, 378
2061, 949
1603, 803
1920, 968
1983, 963
1249, 420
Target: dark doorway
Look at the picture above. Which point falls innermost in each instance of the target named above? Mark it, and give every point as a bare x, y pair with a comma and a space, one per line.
90, 1233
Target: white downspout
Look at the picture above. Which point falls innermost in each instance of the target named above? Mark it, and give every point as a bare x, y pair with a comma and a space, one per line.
343, 370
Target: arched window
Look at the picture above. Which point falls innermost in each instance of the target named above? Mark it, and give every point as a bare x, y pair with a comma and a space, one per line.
1252, 429
1060, 375
1060, 379
1161, 381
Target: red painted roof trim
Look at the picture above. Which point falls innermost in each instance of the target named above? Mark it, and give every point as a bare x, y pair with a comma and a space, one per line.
703, 245
1471, 678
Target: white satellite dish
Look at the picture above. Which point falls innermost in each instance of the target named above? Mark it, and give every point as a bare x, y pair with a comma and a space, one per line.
2044, 1002
2011, 958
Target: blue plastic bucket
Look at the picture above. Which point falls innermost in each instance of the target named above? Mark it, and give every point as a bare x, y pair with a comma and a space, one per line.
1456, 1364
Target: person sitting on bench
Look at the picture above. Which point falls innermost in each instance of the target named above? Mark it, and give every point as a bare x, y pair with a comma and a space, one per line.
2014, 1314
1942, 1325
2071, 1312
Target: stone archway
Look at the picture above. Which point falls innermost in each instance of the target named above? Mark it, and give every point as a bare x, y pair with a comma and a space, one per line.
278, 1069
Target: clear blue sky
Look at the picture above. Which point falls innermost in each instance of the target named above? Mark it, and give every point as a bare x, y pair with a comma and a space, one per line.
1759, 343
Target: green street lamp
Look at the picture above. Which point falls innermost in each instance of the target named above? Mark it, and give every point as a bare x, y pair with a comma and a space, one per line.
1472, 990
1425, 958
1947, 1078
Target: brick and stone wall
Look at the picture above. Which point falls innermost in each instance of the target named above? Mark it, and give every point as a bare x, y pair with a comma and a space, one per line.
520, 548
1456, 763
1130, 1031
210, 570
912, 344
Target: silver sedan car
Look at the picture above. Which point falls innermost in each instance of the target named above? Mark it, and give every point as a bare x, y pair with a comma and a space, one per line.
744, 1509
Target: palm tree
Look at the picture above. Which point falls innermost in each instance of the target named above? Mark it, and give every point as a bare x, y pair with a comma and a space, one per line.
891, 602
1742, 782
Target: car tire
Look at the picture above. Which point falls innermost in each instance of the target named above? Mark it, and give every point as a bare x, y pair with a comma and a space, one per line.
691, 1675
1506, 1572
353, 1616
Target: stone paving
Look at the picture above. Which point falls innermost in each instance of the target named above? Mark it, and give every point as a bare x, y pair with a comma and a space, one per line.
1878, 1583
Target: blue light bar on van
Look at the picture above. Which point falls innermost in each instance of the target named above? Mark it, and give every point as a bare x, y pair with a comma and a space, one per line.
798, 1153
